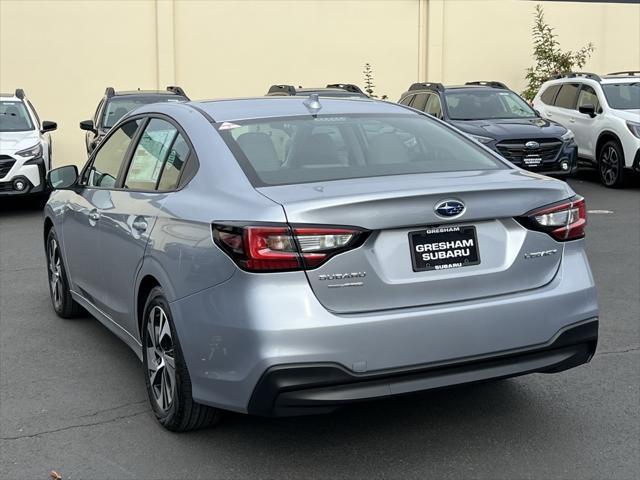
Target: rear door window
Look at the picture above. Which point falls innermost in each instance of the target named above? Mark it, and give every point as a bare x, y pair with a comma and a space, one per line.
567, 96
549, 95
406, 100
174, 164
420, 101
150, 154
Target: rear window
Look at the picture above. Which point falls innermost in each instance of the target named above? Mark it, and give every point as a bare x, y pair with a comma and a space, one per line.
312, 149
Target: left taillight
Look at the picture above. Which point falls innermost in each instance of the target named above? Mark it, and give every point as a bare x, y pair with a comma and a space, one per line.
563, 221
278, 248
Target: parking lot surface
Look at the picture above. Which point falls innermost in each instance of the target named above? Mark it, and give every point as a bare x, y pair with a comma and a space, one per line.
73, 400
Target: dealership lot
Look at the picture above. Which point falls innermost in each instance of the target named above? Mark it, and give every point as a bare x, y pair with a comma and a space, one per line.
72, 397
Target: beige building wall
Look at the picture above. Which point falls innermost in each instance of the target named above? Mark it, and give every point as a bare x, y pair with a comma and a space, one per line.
65, 52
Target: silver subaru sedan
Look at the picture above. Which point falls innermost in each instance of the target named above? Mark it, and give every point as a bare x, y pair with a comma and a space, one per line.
285, 256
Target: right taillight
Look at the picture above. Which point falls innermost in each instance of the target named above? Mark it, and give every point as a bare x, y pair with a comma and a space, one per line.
563, 221
278, 248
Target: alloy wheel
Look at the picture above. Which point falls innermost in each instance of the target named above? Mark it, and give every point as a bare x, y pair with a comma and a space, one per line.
609, 167
55, 273
161, 365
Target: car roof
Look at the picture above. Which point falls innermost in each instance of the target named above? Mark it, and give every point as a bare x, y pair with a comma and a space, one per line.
10, 96
289, 106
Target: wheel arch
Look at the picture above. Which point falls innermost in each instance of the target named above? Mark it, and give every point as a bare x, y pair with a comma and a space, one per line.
48, 225
148, 283
603, 138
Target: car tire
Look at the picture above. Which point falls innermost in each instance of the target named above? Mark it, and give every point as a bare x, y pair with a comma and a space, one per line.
611, 164
166, 375
63, 303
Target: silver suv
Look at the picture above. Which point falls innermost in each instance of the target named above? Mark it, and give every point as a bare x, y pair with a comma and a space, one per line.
288, 256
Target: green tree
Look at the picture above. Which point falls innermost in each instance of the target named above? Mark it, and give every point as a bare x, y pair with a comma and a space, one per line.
368, 80
549, 58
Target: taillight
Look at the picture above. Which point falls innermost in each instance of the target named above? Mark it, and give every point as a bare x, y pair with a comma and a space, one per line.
277, 248
563, 221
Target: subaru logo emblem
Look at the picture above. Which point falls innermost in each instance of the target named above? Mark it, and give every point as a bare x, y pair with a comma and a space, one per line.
449, 208
531, 145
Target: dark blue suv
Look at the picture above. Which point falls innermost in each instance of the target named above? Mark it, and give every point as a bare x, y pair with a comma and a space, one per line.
500, 119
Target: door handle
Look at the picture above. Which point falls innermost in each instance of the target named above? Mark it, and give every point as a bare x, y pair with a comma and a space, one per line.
140, 225
94, 216
572, 120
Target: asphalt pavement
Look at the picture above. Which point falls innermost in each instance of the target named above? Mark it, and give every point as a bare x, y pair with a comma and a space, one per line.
72, 396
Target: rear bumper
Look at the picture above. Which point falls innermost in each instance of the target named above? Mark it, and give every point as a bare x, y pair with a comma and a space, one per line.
286, 390
233, 333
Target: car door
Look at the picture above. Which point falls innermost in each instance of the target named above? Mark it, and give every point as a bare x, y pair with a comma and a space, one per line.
564, 106
151, 174
81, 221
583, 126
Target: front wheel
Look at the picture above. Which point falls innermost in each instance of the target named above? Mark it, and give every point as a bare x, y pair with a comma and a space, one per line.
611, 164
63, 303
166, 375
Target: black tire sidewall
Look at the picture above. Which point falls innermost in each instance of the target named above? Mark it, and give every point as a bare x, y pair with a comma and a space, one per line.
65, 309
156, 298
620, 155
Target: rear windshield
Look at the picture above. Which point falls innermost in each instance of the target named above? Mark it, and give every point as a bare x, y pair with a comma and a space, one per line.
118, 107
14, 117
311, 149
471, 104
622, 96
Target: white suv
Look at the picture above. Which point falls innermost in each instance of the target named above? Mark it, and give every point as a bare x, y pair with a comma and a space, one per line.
604, 115
25, 147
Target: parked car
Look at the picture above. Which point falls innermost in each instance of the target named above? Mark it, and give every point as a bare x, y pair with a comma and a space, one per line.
384, 252
603, 113
114, 105
500, 119
331, 90
25, 147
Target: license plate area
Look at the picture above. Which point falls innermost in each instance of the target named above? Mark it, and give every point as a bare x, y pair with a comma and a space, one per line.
444, 248
532, 160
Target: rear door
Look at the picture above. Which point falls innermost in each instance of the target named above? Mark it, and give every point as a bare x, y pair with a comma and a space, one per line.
152, 173
564, 110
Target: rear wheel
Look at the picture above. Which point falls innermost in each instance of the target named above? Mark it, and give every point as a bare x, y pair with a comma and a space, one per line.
63, 303
611, 164
166, 375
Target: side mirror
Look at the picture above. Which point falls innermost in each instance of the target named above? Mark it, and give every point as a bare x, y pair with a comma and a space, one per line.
588, 109
63, 178
48, 126
87, 125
